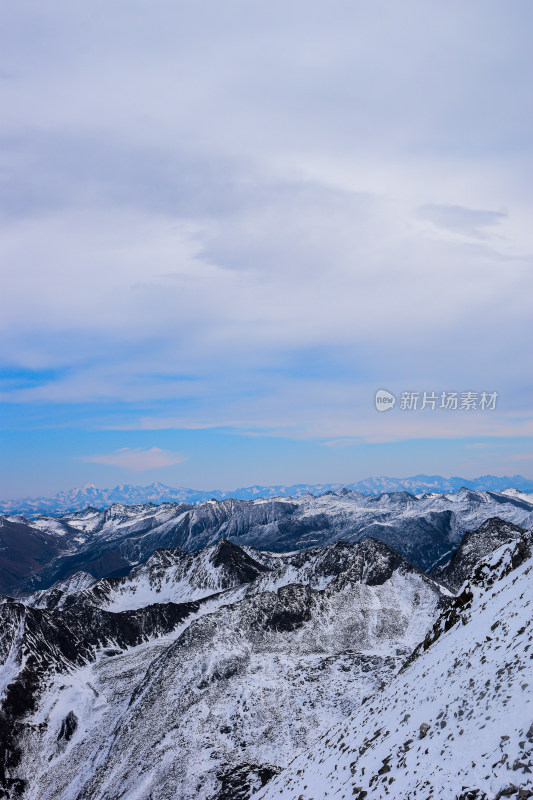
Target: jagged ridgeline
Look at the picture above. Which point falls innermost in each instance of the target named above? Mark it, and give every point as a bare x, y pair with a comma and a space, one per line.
204, 673
34, 554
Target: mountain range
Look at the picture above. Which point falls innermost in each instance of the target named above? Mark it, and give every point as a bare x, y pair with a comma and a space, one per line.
78, 499
230, 672
425, 529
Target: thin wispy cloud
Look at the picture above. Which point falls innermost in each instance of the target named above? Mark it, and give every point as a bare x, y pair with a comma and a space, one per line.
138, 460
471, 222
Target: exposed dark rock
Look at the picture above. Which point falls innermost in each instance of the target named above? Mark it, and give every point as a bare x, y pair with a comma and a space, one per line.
68, 727
240, 782
424, 728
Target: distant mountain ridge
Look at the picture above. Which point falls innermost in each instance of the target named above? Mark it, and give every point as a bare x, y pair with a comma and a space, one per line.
129, 494
425, 529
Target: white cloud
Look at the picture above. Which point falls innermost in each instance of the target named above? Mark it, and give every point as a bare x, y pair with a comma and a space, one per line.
137, 459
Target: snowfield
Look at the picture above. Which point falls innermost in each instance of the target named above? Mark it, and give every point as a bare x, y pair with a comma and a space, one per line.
456, 723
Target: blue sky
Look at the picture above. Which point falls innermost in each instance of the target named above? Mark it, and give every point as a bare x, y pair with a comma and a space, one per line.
224, 226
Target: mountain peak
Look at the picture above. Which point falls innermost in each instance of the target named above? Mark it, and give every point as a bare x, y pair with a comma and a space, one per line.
236, 561
474, 546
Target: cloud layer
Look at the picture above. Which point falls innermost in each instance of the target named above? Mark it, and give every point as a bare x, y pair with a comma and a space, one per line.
252, 218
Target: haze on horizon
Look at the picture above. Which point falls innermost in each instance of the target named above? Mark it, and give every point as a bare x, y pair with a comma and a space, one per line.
225, 226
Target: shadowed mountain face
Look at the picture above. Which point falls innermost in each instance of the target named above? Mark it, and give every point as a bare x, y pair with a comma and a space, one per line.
25, 550
474, 546
424, 529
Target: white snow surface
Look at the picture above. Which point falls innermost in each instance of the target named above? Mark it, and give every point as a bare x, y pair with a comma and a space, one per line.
165, 578
74, 585
472, 688
526, 496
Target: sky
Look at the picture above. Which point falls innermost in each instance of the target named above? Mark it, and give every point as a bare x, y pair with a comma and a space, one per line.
225, 225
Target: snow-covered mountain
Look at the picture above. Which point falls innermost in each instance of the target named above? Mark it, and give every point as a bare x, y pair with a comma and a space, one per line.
474, 546
457, 721
205, 675
56, 595
234, 572
169, 699
128, 494
36, 553
527, 496
171, 576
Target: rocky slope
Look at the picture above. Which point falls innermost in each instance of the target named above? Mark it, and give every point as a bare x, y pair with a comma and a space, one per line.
423, 529
457, 721
474, 546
